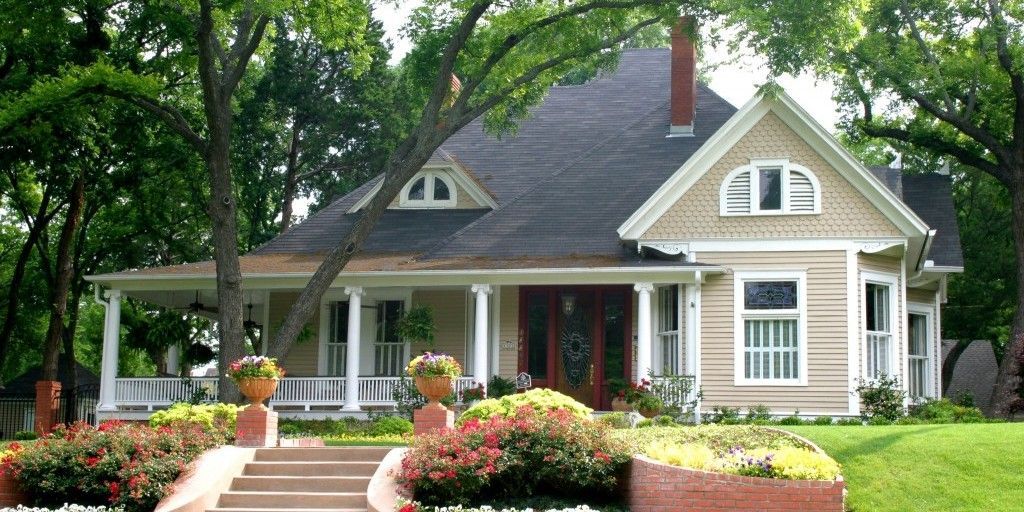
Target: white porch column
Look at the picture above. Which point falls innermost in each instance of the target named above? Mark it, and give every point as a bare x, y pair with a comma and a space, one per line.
355, 311
643, 330
480, 333
111, 341
174, 360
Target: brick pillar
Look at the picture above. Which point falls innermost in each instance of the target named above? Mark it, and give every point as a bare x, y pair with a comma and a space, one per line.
427, 418
10, 493
256, 427
47, 395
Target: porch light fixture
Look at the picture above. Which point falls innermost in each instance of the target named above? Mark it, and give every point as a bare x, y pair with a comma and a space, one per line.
250, 323
568, 303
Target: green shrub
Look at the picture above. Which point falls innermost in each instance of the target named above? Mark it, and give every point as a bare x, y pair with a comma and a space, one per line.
120, 464
724, 415
215, 419
882, 398
790, 420
25, 435
947, 411
823, 420
664, 421
546, 452
849, 422
539, 399
759, 412
645, 423
499, 386
390, 426
614, 419
879, 421
964, 398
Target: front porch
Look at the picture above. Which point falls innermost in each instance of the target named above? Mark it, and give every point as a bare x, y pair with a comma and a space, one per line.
585, 335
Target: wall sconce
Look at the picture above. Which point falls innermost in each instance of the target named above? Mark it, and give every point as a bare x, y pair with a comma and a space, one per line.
568, 303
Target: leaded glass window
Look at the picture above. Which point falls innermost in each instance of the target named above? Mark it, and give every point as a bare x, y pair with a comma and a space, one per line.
770, 295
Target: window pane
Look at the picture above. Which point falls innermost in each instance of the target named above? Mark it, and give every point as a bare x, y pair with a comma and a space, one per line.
537, 335
441, 192
877, 307
614, 335
772, 349
918, 335
668, 311
771, 189
388, 313
770, 295
339, 322
417, 192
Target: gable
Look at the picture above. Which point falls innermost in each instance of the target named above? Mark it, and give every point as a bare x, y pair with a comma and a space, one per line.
844, 211
466, 192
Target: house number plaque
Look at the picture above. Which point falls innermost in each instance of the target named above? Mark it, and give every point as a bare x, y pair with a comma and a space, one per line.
524, 381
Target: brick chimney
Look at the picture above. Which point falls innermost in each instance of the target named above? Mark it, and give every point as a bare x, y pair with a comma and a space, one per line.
684, 79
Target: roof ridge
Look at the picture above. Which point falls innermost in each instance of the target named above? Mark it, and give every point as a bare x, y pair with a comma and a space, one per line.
537, 185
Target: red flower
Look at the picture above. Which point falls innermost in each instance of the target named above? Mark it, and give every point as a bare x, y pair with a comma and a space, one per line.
115, 491
601, 456
408, 507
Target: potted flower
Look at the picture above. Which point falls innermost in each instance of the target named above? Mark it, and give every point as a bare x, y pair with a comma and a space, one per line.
433, 374
643, 399
473, 394
617, 387
256, 377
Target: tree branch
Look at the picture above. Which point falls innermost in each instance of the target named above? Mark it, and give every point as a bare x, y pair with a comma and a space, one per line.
1006, 62
172, 117
241, 54
929, 57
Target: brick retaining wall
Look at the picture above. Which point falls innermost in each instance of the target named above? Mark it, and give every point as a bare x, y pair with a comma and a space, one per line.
657, 487
10, 494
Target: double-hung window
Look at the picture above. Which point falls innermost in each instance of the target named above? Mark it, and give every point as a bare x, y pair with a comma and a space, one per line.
771, 328
878, 325
669, 353
337, 341
919, 343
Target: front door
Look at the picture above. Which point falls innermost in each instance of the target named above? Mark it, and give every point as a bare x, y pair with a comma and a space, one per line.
574, 339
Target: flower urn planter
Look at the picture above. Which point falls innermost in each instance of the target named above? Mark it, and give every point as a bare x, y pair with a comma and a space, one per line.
434, 389
620, 405
257, 390
649, 412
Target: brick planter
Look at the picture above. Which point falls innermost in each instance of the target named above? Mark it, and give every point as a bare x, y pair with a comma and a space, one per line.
657, 487
10, 494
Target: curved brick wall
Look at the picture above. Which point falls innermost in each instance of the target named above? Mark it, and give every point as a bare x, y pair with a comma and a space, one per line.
657, 487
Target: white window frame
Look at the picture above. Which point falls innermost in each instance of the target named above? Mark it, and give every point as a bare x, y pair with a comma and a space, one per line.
754, 169
428, 201
741, 314
658, 360
892, 281
928, 312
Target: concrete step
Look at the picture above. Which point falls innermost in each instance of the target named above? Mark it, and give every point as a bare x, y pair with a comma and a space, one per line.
292, 500
303, 468
250, 509
347, 453
301, 483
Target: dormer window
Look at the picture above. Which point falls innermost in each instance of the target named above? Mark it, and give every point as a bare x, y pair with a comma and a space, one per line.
428, 189
770, 187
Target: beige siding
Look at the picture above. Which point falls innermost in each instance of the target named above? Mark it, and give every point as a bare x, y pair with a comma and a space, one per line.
844, 210
301, 360
450, 312
827, 337
508, 359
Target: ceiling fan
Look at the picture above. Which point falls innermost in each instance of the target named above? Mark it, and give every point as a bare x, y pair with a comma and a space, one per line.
251, 324
196, 306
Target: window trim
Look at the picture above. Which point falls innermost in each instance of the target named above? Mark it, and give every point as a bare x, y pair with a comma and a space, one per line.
928, 312
892, 281
657, 354
428, 201
754, 199
741, 314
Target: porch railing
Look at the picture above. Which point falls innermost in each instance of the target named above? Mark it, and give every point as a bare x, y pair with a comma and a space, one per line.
155, 392
677, 391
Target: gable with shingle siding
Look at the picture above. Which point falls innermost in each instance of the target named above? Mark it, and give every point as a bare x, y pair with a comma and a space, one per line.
844, 210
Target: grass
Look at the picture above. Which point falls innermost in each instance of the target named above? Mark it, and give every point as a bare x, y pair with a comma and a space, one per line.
927, 467
365, 441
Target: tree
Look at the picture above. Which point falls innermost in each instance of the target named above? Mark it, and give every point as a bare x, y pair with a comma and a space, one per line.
481, 59
944, 77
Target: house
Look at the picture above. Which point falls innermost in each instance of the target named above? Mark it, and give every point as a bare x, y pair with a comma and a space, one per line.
638, 223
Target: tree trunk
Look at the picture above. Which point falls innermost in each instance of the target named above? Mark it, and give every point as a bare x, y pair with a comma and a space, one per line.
1008, 383
68, 337
290, 178
42, 220
225, 245
64, 272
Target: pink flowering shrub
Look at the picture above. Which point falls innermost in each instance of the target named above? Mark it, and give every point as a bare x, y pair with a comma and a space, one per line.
551, 453
119, 464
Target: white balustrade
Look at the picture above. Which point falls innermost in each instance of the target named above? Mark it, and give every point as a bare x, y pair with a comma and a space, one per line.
676, 390
154, 392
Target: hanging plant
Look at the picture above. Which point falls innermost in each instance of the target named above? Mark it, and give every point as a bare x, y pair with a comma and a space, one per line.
417, 326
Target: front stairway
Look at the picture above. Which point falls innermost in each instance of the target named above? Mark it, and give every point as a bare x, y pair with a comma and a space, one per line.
303, 480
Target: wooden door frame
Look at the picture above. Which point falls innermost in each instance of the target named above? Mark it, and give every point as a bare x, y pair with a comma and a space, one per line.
598, 291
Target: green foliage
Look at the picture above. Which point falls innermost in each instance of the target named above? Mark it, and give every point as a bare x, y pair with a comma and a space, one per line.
645, 423
417, 326
759, 412
349, 431
946, 411
216, 420
823, 420
499, 386
724, 415
391, 426
539, 399
126, 465
882, 398
615, 420
25, 435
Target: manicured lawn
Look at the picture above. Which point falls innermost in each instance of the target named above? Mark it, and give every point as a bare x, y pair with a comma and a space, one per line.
927, 467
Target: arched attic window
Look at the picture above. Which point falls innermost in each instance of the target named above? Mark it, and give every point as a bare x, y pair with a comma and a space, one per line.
428, 189
770, 187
